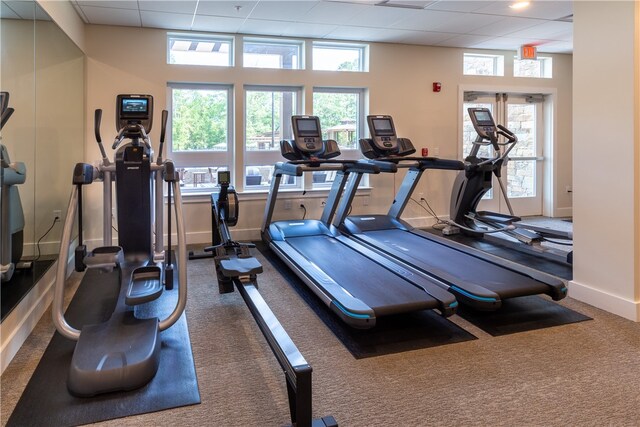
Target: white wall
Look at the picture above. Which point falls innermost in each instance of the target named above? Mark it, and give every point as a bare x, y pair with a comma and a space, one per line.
63, 14
125, 59
606, 116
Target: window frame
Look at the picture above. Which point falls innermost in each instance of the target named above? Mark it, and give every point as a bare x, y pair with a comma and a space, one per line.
546, 67
201, 158
300, 44
350, 153
363, 49
362, 132
266, 157
498, 63
198, 37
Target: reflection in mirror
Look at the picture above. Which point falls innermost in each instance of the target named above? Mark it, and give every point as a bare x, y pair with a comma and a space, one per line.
43, 71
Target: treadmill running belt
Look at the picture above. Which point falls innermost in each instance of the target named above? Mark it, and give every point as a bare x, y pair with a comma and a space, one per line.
385, 292
432, 256
392, 334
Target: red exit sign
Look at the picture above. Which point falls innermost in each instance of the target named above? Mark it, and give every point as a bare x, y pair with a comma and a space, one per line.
527, 52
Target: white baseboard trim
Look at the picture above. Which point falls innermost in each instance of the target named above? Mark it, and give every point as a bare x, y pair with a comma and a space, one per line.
563, 212
17, 326
605, 301
424, 221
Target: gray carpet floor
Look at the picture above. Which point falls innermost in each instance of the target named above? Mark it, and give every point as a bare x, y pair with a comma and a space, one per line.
586, 373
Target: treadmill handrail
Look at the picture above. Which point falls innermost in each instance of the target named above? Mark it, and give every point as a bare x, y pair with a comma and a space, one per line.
424, 162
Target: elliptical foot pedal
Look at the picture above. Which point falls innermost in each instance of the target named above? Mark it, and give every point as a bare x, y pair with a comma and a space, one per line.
106, 257
120, 354
145, 285
240, 267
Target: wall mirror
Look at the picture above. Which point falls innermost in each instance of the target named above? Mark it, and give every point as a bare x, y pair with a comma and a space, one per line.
42, 70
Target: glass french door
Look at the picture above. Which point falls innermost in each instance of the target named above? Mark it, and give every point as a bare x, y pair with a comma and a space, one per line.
523, 173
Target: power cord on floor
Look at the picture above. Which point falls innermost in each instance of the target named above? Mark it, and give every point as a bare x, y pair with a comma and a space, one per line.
439, 224
305, 210
56, 219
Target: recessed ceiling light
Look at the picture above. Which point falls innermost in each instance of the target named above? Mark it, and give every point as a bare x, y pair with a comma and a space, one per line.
519, 5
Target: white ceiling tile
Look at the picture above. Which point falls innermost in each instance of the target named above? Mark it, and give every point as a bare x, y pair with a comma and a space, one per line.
465, 23
225, 8
179, 6
20, 9
7, 13
505, 43
458, 6
263, 27
550, 30
299, 29
411, 3
353, 33
381, 17
281, 10
507, 26
334, 13
424, 20
170, 21
107, 16
536, 9
218, 24
424, 37
464, 40
555, 47
118, 4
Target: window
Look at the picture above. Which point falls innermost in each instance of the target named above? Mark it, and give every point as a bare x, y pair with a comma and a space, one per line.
341, 113
199, 50
268, 111
340, 57
201, 132
264, 53
476, 64
537, 68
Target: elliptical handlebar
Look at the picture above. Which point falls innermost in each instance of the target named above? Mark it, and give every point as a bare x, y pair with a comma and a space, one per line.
163, 132
96, 129
5, 116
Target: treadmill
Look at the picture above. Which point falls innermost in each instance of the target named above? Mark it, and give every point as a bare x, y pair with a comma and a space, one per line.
358, 284
476, 278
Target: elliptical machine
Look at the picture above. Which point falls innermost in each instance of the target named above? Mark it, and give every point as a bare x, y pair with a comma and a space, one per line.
11, 213
476, 179
123, 353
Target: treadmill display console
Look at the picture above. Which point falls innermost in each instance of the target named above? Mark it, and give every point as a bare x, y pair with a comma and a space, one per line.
483, 122
383, 132
307, 133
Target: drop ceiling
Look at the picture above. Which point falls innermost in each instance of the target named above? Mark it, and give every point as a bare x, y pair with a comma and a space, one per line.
467, 24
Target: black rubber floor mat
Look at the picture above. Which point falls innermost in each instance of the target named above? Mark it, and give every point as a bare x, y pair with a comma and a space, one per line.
46, 400
392, 334
520, 315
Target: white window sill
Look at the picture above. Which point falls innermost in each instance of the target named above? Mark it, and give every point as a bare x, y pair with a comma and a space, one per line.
316, 193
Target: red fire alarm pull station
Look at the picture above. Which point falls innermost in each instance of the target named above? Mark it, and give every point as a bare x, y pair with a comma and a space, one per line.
425, 152
437, 86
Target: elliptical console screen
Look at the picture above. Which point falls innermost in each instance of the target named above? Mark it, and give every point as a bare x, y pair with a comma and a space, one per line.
383, 127
134, 106
308, 127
